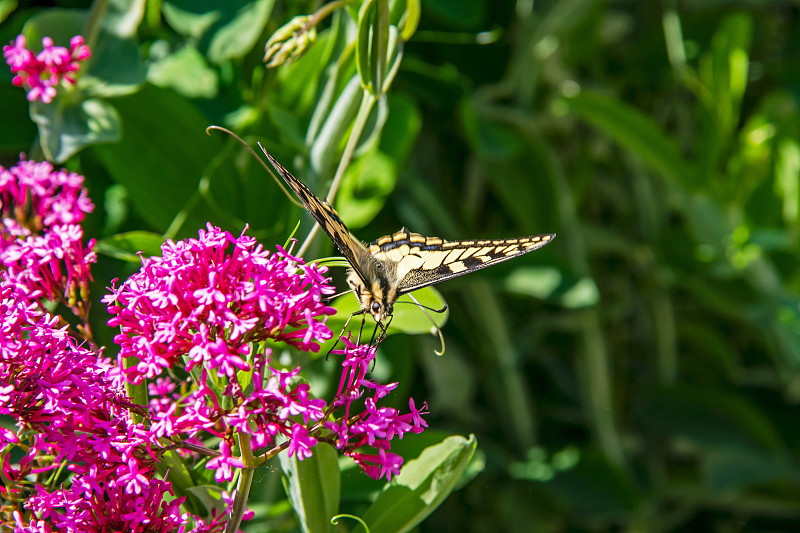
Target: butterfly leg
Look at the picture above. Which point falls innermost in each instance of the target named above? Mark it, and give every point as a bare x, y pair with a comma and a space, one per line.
347, 322
384, 332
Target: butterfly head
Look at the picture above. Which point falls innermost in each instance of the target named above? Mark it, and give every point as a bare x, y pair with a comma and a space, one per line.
377, 299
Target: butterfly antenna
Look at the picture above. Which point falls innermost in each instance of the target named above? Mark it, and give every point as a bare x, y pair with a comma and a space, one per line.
288, 194
331, 297
415, 302
425, 310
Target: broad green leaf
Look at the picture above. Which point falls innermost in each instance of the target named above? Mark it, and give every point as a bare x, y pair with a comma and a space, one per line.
423, 483
186, 72
126, 246
538, 282
193, 22
411, 319
160, 162
124, 16
224, 30
116, 68
635, 131
313, 486
407, 318
66, 127
61, 25
239, 35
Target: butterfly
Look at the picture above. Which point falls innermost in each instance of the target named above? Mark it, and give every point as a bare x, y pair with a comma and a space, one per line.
403, 262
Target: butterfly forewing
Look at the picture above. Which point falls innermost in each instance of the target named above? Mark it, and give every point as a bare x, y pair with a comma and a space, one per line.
421, 261
403, 262
328, 219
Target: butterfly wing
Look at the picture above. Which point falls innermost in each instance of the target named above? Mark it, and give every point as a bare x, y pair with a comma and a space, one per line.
421, 261
328, 219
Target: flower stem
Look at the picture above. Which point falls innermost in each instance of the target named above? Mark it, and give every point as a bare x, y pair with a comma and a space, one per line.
245, 482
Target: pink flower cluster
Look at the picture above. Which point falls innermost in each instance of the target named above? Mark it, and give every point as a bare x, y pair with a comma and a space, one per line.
204, 305
374, 427
198, 324
58, 391
41, 241
43, 71
205, 300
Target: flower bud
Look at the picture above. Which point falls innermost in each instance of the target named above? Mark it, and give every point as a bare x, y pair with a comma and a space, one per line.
290, 41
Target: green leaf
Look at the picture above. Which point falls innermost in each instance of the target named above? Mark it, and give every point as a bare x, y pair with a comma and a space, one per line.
160, 162
225, 30
407, 317
239, 35
186, 72
126, 246
59, 24
423, 483
123, 17
66, 127
635, 131
116, 68
313, 486
538, 282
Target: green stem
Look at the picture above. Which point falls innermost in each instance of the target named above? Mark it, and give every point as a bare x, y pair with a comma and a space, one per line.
245, 482
367, 102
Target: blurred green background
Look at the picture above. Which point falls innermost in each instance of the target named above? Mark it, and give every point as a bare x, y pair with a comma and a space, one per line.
642, 372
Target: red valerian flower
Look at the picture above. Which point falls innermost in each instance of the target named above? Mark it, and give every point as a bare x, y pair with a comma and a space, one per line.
207, 299
42, 72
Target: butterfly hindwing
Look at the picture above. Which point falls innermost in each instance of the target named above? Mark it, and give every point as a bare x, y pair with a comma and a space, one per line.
329, 221
421, 261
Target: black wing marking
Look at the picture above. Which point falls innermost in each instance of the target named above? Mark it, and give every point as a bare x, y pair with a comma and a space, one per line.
422, 261
328, 219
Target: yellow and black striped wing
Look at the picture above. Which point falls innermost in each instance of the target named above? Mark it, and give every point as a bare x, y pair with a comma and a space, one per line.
328, 219
421, 261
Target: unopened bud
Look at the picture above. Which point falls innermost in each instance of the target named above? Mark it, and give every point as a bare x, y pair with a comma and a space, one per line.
290, 41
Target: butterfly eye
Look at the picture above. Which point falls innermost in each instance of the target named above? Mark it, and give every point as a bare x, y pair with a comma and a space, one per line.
376, 307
